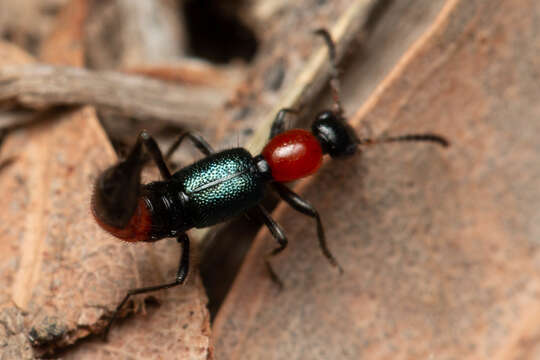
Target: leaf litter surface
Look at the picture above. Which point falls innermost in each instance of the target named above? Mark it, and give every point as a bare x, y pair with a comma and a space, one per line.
61, 270
68, 272
439, 246
62, 330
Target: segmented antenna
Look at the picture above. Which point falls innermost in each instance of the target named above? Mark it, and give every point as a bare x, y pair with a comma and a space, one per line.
338, 108
408, 137
334, 72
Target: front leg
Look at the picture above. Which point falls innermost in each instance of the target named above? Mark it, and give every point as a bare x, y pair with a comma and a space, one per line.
181, 275
278, 125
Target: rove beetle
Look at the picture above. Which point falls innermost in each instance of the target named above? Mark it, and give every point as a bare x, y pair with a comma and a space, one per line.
224, 184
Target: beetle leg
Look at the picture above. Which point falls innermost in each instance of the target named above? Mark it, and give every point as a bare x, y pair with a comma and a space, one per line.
278, 125
301, 205
199, 142
181, 275
279, 235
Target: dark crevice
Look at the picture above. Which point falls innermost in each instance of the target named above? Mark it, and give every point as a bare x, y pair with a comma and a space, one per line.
216, 33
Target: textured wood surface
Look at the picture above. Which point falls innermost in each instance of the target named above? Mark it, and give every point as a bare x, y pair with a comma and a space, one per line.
439, 246
40, 86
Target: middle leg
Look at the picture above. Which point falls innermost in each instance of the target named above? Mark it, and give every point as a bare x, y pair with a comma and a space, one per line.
199, 142
279, 235
301, 205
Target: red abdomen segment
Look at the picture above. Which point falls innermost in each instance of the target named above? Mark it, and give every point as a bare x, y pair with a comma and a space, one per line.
138, 228
292, 155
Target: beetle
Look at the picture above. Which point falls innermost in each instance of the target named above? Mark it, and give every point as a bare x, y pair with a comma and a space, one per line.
224, 184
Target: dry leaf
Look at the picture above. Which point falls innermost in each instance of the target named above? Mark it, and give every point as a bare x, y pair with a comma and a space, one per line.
439, 246
60, 268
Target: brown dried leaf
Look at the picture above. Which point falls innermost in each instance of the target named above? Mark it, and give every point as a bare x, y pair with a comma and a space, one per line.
192, 72
27, 22
64, 46
65, 272
13, 55
125, 33
69, 273
440, 247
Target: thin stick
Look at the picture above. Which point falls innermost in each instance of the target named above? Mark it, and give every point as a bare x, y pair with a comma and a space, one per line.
40, 85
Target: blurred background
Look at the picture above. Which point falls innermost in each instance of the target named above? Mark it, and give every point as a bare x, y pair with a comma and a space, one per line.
439, 246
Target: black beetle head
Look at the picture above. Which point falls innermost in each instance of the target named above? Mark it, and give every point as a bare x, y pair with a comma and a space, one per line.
336, 136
